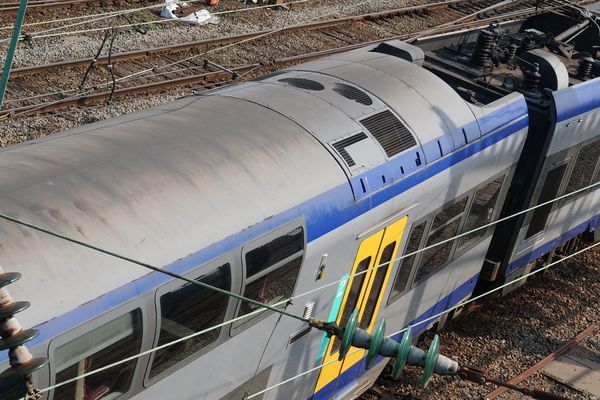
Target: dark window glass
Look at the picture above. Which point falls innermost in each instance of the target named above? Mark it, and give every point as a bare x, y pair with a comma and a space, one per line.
445, 226
190, 309
584, 167
352, 299
12, 389
480, 213
444, 216
114, 341
549, 192
273, 287
406, 263
277, 250
380, 273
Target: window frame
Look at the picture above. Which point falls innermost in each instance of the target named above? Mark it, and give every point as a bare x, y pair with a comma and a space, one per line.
497, 210
428, 232
560, 160
571, 168
411, 275
239, 326
174, 284
87, 327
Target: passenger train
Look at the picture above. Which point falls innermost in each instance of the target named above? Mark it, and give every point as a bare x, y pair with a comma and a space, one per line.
306, 178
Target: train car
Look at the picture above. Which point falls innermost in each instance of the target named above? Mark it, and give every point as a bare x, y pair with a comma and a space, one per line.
301, 188
553, 61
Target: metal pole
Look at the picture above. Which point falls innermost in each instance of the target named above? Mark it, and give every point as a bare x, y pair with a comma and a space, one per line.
14, 40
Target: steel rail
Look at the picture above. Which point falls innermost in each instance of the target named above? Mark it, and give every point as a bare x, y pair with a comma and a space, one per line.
143, 53
203, 78
213, 77
35, 5
544, 361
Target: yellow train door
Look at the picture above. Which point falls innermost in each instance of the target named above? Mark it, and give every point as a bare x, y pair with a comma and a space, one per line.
363, 291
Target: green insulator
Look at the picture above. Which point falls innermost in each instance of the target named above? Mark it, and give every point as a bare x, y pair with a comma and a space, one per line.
24, 369
375, 344
402, 353
18, 339
349, 333
431, 360
9, 277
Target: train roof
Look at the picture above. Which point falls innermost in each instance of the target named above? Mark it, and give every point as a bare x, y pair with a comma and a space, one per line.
155, 185
164, 183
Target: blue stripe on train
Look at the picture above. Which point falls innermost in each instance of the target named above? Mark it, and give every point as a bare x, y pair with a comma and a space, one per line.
577, 99
323, 214
589, 225
349, 377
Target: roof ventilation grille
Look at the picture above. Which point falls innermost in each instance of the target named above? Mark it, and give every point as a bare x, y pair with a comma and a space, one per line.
303, 83
391, 134
353, 93
342, 144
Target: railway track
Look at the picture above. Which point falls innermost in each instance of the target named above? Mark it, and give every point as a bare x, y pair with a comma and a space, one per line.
11, 7
156, 69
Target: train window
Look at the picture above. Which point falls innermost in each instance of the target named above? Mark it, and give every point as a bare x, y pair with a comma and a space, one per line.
549, 191
12, 389
188, 309
480, 213
352, 300
271, 253
406, 263
584, 168
445, 225
111, 342
377, 285
272, 270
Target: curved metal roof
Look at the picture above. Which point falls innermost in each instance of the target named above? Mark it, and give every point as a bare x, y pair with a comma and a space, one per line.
156, 185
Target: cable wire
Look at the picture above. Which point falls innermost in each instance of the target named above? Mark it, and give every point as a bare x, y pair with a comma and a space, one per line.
148, 266
182, 339
461, 304
266, 306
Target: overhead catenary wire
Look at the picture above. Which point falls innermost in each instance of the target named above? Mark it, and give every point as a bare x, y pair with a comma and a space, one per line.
150, 267
255, 312
435, 316
263, 305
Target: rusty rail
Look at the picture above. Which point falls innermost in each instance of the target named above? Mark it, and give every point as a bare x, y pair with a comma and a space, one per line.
543, 362
212, 77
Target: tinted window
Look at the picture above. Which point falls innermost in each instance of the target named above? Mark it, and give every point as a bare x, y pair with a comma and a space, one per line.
377, 287
406, 263
12, 389
114, 341
273, 287
584, 167
445, 226
190, 309
481, 212
271, 253
549, 191
272, 270
352, 300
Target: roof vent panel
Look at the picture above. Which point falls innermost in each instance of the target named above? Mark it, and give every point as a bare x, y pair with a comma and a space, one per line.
303, 83
341, 146
391, 134
352, 93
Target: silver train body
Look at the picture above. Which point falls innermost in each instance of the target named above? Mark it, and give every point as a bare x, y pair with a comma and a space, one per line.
275, 188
